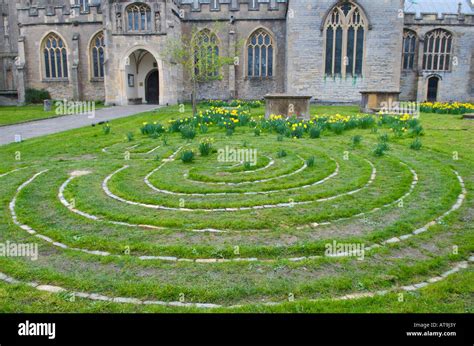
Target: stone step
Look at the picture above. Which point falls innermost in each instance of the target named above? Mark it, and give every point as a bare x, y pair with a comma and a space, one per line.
468, 116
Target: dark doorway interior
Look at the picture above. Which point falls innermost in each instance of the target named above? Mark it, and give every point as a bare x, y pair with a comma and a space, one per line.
152, 90
433, 89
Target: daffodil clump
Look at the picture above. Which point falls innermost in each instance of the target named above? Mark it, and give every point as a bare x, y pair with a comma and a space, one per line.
205, 146
340, 123
229, 119
222, 117
106, 129
402, 124
150, 129
447, 107
297, 128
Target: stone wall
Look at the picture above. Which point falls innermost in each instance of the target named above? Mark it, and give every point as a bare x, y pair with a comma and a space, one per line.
120, 44
455, 84
295, 25
409, 85
306, 43
471, 78
8, 51
76, 27
237, 20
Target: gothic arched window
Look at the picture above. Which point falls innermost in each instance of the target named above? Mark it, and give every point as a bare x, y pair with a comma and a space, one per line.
260, 52
54, 57
409, 50
83, 4
97, 51
207, 55
138, 17
437, 50
345, 30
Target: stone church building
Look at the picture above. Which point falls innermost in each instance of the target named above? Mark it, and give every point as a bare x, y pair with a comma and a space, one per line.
331, 50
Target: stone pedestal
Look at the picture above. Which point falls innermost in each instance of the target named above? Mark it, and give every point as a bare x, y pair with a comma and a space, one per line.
47, 105
287, 105
135, 101
374, 101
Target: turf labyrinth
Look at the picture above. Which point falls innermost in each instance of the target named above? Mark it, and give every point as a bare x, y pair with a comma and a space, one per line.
143, 230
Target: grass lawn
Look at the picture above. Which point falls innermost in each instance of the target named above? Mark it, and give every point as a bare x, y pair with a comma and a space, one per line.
117, 213
10, 115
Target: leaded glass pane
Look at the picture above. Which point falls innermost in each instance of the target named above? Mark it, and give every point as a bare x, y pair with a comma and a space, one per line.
260, 54
329, 48
350, 51
359, 51
338, 54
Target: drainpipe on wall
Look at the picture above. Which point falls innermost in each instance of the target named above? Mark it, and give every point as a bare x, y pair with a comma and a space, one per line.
75, 68
20, 71
420, 94
232, 81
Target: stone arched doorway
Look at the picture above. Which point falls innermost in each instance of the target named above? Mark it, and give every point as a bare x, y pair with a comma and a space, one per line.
433, 86
152, 87
142, 82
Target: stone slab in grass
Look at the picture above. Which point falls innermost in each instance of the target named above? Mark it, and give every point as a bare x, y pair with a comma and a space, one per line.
287, 105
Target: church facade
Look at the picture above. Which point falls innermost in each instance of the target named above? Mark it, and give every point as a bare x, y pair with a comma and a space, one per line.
332, 50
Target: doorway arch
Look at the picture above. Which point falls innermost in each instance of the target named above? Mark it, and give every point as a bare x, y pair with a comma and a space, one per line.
139, 63
152, 87
433, 88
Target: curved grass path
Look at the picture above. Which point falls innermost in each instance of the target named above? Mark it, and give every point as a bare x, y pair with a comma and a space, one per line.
136, 301
425, 228
129, 223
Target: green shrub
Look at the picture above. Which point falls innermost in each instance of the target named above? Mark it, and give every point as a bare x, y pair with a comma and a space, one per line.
257, 132
310, 161
298, 132
187, 131
247, 166
233, 103
416, 144
398, 130
154, 129
280, 138
366, 122
384, 138
205, 147
106, 129
164, 139
280, 128
175, 126
36, 95
351, 124
244, 119
413, 123
380, 149
187, 156
315, 132
356, 140
130, 136
338, 128
229, 132
416, 131
281, 153
384, 146
204, 128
